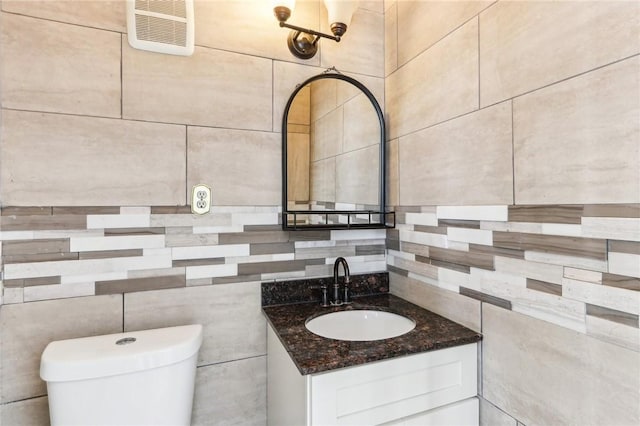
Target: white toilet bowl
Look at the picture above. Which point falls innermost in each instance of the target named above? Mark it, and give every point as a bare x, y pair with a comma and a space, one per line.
138, 378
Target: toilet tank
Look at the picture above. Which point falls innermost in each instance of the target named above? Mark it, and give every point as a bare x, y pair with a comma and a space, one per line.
138, 378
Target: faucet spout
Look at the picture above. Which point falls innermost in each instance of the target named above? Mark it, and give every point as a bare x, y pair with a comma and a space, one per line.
337, 300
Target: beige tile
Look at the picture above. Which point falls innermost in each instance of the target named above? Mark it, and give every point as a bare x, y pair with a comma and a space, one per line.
490, 415
373, 5
242, 167
49, 66
286, 77
234, 327
104, 14
461, 309
564, 134
324, 97
300, 110
210, 88
231, 393
26, 329
327, 135
298, 169
249, 26
361, 49
466, 161
421, 24
27, 412
323, 180
393, 187
390, 40
358, 176
528, 45
576, 383
110, 162
361, 124
439, 84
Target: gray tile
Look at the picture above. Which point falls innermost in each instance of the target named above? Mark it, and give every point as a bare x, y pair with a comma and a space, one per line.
26, 329
571, 246
613, 315
570, 386
544, 287
630, 283
612, 210
271, 248
108, 254
139, 284
212, 306
472, 259
486, 298
231, 393
549, 214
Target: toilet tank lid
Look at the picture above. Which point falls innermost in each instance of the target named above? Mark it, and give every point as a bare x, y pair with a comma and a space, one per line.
121, 353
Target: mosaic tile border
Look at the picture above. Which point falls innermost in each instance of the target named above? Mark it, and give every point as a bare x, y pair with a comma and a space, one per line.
577, 266
59, 252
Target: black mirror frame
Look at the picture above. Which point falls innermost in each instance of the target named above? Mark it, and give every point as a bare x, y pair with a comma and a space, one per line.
388, 218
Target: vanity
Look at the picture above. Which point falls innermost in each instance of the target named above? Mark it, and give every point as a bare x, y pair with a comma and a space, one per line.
425, 376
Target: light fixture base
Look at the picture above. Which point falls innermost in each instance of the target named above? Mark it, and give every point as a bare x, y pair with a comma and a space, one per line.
282, 13
302, 45
338, 29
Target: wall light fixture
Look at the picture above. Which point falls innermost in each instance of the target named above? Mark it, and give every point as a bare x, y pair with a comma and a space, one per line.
302, 42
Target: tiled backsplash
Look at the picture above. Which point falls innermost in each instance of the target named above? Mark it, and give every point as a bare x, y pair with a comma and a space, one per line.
577, 266
57, 252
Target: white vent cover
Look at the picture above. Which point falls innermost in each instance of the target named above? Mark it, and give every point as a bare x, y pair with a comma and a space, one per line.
164, 26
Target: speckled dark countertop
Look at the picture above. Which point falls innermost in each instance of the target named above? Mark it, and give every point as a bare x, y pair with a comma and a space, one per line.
313, 354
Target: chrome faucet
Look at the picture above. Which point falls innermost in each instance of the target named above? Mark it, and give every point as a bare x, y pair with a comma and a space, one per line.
337, 300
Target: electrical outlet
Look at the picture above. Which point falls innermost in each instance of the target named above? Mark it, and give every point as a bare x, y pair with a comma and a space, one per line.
200, 199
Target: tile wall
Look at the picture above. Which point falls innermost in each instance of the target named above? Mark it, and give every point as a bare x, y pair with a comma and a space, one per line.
515, 170
100, 146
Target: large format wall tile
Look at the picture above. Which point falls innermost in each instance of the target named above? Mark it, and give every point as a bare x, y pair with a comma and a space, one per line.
242, 167
357, 176
33, 411
423, 23
66, 68
104, 14
577, 141
249, 26
26, 329
108, 162
210, 88
361, 49
390, 40
234, 327
527, 45
461, 309
439, 84
465, 161
544, 374
231, 393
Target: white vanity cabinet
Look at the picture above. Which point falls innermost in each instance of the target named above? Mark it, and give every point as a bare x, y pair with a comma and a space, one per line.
429, 388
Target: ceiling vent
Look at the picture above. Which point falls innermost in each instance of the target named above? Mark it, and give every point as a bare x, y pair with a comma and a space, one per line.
164, 26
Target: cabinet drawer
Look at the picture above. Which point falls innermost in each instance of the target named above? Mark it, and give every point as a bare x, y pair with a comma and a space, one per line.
392, 389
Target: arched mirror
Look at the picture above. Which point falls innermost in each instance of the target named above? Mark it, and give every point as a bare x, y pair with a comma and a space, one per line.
333, 156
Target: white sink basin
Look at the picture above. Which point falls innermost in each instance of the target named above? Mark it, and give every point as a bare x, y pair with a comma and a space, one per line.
360, 325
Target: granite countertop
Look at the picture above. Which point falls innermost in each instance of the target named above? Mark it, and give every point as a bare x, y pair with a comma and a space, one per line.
314, 354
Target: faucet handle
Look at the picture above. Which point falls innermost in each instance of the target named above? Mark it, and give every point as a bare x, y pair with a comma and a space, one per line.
325, 294
345, 294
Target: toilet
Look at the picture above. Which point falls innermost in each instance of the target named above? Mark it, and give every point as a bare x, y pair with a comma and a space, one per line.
138, 378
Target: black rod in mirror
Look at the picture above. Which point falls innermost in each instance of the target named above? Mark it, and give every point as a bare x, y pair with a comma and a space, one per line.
372, 216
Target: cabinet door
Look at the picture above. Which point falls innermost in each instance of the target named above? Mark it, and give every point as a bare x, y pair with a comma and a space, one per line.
462, 413
389, 390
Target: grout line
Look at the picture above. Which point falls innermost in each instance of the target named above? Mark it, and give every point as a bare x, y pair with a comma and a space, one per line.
479, 67
232, 360
121, 77
513, 159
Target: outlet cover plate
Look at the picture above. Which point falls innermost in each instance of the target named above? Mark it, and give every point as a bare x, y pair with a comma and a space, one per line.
200, 199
